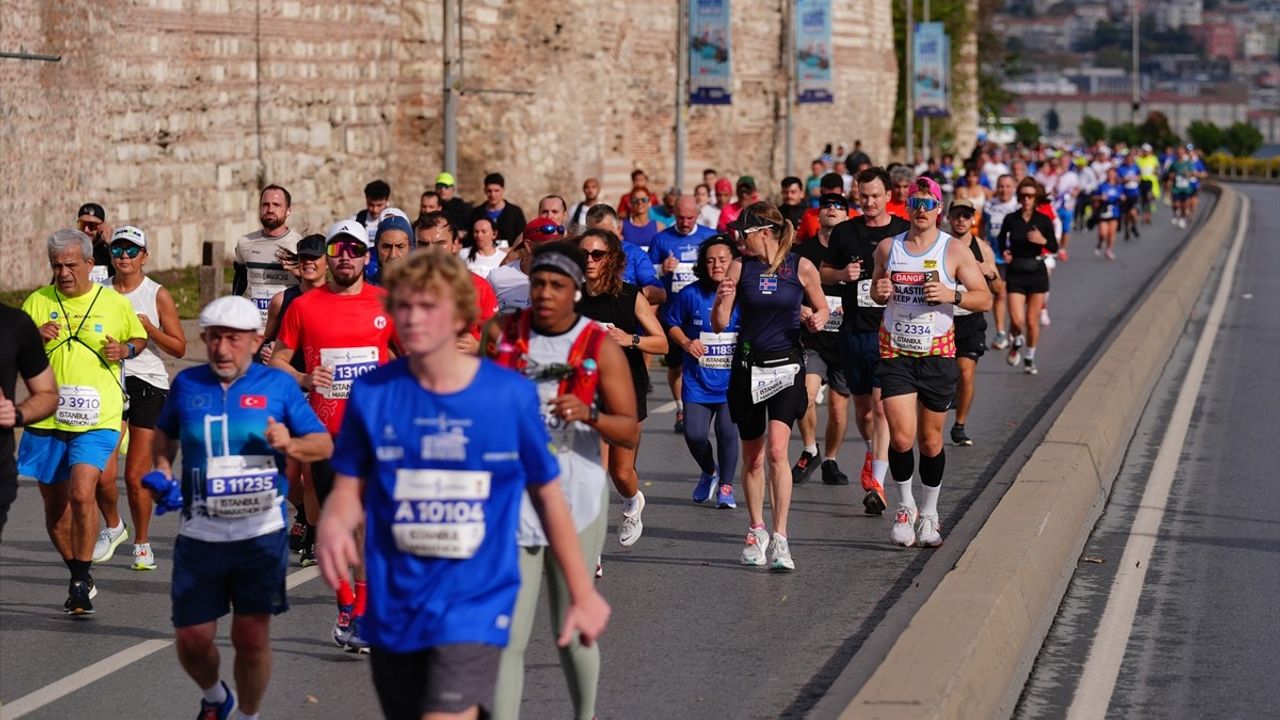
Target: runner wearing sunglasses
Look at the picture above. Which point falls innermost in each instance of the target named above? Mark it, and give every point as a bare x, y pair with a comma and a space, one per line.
917, 277
1023, 240
343, 331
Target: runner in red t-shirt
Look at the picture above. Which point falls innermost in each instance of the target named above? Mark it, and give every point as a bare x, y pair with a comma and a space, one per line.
343, 331
435, 230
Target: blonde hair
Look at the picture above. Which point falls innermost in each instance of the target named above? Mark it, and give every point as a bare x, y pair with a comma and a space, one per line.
434, 269
786, 239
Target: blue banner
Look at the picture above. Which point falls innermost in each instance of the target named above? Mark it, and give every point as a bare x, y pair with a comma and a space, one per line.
710, 75
932, 69
813, 51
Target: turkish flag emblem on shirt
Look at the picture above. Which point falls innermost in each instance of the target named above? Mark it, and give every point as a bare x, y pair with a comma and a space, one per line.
253, 401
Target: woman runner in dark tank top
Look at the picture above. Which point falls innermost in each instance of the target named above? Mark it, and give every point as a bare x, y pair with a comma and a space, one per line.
632, 323
769, 285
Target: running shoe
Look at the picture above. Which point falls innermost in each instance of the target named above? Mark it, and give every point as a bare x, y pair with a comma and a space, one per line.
342, 625
868, 477
632, 525
1111, 255
705, 488
1000, 341
1044, 317
757, 545
1098, 251
599, 567
108, 540
307, 557
873, 502
725, 500
1062, 255
928, 532
1135, 232
1029, 367
903, 532
356, 643
218, 711
80, 595
959, 436
143, 558
298, 536
781, 553
1015, 351
678, 428
820, 398
803, 468
831, 474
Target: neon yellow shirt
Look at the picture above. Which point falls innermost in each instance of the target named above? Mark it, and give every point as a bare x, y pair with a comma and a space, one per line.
1149, 169
90, 388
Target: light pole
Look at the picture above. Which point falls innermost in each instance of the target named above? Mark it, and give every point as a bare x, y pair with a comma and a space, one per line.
789, 63
682, 88
450, 159
1137, 90
925, 145
909, 142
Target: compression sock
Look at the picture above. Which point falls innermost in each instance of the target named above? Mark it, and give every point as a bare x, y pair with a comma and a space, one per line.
345, 594
79, 569
931, 468
362, 597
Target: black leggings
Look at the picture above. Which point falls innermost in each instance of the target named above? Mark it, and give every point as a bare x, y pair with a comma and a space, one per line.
697, 435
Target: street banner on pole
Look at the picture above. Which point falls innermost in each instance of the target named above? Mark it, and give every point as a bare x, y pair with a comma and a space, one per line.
932, 70
813, 51
710, 74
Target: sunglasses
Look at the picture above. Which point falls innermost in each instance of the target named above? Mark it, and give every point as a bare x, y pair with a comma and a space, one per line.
129, 251
926, 204
835, 204
597, 255
965, 214
1026, 196
351, 248
442, 186
549, 229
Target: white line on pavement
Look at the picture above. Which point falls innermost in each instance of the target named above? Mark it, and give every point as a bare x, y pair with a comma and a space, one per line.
1102, 665
663, 408
60, 688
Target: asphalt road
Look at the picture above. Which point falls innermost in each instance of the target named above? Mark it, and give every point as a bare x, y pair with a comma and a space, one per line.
1207, 621
693, 633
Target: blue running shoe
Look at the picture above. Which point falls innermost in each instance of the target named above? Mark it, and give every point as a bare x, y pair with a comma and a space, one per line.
705, 488
218, 711
342, 626
355, 643
725, 498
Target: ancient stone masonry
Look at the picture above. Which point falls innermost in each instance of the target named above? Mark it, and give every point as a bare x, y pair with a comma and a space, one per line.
172, 113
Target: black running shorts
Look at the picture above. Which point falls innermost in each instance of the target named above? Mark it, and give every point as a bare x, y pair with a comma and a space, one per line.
971, 336
932, 379
442, 679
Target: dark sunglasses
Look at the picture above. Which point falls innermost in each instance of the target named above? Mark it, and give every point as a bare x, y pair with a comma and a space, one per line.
129, 251
550, 229
352, 248
835, 204
965, 214
441, 186
597, 255
926, 204
1026, 196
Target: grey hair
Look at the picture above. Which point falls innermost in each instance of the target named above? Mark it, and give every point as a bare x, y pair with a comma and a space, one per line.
62, 240
901, 173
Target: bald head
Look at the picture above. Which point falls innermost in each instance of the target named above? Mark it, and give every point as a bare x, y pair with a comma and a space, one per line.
686, 214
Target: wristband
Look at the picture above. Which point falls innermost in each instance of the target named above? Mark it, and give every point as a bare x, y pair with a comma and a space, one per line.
18, 419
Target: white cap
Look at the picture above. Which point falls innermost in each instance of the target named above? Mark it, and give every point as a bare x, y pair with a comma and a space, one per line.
389, 211
348, 227
233, 312
129, 233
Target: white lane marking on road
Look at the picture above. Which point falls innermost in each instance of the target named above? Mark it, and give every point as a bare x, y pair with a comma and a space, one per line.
60, 688
1102, 665
663, 408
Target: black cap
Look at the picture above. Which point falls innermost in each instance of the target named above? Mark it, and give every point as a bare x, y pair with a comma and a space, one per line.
828, 198
747, 221
311, 246
93, 209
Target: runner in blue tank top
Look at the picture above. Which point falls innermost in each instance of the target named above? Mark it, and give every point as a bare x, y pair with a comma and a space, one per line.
768, 287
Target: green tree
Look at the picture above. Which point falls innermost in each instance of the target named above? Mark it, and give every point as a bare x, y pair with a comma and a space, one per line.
1155, 130
1126, 133
1028, 131
1243, 139
1206, 136
1092, 129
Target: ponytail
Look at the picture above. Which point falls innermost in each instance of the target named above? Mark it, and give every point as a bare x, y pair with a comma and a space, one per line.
785, 243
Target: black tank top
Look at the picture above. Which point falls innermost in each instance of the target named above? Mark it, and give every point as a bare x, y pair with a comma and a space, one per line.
620, 311
291, 293
769, 305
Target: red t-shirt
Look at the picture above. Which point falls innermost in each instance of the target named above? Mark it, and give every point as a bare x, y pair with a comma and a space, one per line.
349, 333
897, 209
811, 223
486, 302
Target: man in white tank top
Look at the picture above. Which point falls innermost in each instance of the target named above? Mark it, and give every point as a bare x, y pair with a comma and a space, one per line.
916, 276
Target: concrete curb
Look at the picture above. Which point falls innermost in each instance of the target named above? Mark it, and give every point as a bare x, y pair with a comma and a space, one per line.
967, 652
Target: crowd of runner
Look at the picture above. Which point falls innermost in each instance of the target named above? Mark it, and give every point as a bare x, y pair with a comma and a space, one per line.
438, 410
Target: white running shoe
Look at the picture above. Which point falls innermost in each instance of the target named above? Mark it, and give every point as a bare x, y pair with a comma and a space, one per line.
1044, 317
821, 397
756, 548
1000, 341
904, 527
108, 540
781, 552
1015, 352
927, 532
143, 558
632, 525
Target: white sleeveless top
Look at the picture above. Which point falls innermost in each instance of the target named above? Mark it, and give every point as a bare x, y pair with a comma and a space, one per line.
576, 444
911, 326
147, 366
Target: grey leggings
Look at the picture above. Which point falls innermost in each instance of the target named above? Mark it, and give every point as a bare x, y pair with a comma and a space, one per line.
697, 435
581, 665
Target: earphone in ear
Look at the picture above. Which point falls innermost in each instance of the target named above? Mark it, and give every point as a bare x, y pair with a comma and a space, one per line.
577, 296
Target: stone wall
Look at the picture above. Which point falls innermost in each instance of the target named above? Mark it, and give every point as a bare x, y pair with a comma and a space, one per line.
172, 113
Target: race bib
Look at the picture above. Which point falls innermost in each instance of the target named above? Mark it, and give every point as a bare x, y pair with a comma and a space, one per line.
240, 485
1182, 182
78, 406
682, 277
348, 364
261, 296
836, 306
99, 274
719, 350
1131, 185
440, 513
913, 335
864, 295
769, 381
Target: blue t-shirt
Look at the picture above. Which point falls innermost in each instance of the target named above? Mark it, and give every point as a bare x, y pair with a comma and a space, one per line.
640, 235
209, 423
1110, 195
690, 310
638, 270
444, 477
684, 248
1130, 179
1200, 167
